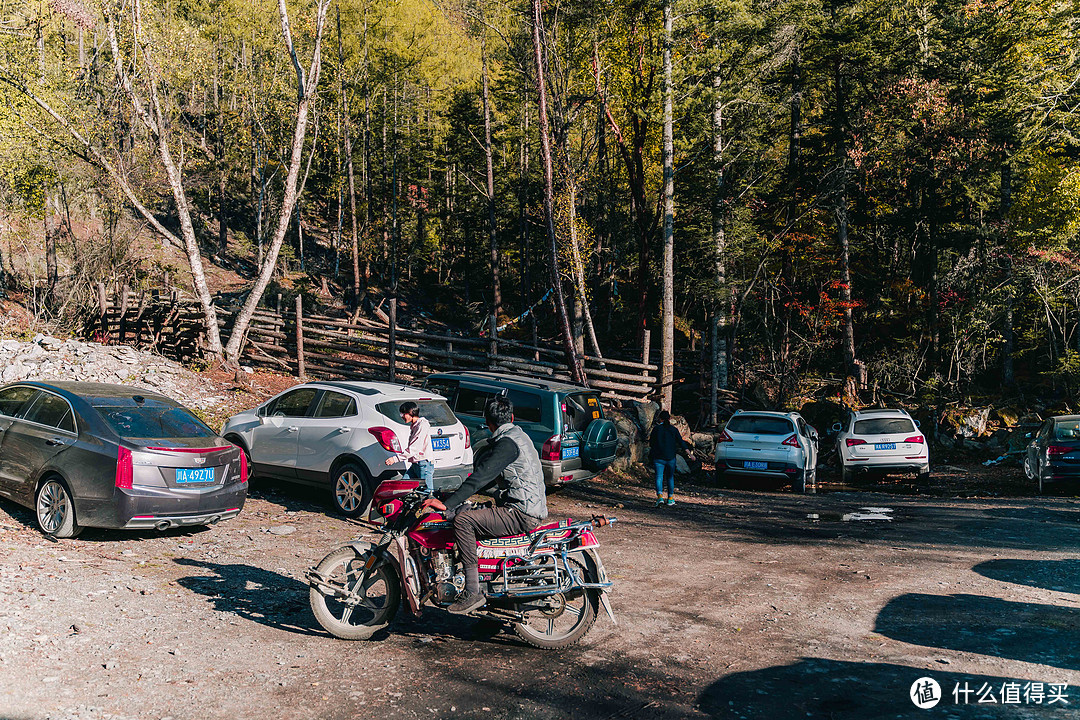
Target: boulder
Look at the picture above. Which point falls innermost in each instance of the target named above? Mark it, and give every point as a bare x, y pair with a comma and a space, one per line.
705, 442
681, 466
646, 412
965, 422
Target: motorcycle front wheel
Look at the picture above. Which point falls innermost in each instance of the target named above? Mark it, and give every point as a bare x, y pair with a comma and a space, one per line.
561, 620
368, 609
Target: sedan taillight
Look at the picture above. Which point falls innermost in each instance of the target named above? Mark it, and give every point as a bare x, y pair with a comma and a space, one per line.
724, 437
915, 439
851, 442
1055, 450
387, 438
243, 466
125, 470
468, 440
792, 441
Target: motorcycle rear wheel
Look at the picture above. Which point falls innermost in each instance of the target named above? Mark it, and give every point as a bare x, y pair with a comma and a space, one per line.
355, 621
566, 621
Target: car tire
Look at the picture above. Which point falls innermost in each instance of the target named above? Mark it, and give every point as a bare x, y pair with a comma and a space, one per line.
350, 489
924, 475
806, 481
55, 509
847, 476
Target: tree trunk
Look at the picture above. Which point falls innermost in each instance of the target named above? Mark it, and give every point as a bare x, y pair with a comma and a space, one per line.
305, 93
842, 225
354, 238
667, 323
718, 309
549, 195
787, 268
496, 288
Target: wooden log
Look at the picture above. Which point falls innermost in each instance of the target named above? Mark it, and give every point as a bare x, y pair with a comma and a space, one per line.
644, 389
300, 337
610, 375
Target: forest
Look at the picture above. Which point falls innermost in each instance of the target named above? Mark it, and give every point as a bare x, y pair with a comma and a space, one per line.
789, 189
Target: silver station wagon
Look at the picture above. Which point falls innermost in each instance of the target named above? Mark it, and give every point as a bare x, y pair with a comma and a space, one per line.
96, 455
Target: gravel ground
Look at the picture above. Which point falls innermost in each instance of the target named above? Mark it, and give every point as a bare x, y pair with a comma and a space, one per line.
732, 604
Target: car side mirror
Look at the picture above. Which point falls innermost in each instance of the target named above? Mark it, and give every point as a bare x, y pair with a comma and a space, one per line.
1027, 436
837, 427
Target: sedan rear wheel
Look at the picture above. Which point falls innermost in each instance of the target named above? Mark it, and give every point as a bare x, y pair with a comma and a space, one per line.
349, 490
56, 510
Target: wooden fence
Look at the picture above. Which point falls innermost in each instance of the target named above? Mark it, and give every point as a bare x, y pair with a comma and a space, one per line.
325, 347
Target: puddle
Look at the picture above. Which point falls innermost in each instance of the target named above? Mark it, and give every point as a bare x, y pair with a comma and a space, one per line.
863, 514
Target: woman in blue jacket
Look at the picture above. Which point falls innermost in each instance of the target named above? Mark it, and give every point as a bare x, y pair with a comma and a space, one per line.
665, 442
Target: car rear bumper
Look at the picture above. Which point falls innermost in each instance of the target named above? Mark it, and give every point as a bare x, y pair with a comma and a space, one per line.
1061, 472
159, 507
889, 465
775, 469
556, 476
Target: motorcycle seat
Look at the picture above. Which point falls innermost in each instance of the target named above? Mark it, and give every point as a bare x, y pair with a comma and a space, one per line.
516, 544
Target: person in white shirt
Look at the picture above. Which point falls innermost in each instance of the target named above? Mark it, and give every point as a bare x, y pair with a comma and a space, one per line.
418, 450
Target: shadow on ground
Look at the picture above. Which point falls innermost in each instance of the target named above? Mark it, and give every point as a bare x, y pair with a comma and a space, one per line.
1029, 632
1059, 575
819, 688
262, 596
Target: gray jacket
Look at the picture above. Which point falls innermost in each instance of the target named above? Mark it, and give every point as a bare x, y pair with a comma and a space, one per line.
514, 462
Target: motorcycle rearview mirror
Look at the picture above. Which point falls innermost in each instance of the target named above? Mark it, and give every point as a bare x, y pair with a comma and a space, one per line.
837, 427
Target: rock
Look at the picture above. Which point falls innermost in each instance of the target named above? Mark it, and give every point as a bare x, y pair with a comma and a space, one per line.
681, 468
646, 412
282, 530
706, 442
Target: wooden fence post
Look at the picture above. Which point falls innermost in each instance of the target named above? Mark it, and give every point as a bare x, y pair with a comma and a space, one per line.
103, 312
124, 290
392, 344
301, 370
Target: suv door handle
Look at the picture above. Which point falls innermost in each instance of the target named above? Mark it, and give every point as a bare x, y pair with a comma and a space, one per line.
55, 441
291, 429
344, 429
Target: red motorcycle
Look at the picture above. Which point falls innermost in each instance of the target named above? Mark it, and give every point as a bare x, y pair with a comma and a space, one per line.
548, 583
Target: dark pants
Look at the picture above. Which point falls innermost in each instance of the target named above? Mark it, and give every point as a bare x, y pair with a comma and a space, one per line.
481, 523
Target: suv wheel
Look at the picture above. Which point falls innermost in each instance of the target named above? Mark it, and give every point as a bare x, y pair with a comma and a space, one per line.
350, 490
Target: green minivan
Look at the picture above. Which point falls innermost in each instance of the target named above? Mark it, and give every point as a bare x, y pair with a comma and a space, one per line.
565, 422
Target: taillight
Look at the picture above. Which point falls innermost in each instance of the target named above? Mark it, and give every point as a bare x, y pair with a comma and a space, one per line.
724, 437
468, 440
243, 466
854, 441
387, 438
792, 441
1055, 450
915, 439
124, 469
552, 449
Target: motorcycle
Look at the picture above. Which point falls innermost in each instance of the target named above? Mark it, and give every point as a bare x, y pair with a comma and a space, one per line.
548, 583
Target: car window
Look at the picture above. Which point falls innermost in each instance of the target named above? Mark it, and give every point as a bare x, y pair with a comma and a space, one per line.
51, 410
12, 399
527, 407
580, 409
156, 422
1067, 430
883, 426
295, 403
760, 425
471, 401
437, 412
335, 405
446, 388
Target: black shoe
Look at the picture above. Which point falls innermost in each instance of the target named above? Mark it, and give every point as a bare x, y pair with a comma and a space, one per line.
467, 603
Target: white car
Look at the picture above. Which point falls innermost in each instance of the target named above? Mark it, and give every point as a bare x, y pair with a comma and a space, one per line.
769, 444
884, 441
338, 435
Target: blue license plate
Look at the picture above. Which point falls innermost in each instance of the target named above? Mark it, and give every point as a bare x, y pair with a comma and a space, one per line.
755, 465
191, 475
884, 446
570, 452
440, 443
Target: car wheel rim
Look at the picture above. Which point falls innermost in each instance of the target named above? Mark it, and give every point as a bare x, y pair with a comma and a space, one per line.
53, 507
349, 491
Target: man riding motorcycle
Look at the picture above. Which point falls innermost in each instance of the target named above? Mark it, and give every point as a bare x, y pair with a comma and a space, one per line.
520, 503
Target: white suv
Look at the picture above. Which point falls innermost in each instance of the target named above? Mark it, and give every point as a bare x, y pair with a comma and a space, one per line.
881, 440
769, 444
338, 435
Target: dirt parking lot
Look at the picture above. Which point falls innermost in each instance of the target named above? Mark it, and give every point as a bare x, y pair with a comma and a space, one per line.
732, 604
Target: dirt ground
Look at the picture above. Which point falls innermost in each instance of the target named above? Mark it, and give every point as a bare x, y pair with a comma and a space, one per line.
733, 604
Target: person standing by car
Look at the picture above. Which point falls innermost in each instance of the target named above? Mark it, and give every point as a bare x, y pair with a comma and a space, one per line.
418, 448
520, 503
665, 442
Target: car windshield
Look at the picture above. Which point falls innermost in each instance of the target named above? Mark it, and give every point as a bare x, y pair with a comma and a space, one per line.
437, 412
883, 426
760, 425
1067, 430
155, 422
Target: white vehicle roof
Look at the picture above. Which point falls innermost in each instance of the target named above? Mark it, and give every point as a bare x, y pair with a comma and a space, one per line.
769, 413
880, 412
378, 391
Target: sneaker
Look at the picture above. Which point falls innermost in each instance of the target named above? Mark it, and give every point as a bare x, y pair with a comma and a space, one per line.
670, 501
659, 501
467, 603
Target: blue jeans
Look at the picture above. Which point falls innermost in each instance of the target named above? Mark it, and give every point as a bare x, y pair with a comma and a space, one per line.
423, 470
665, 471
